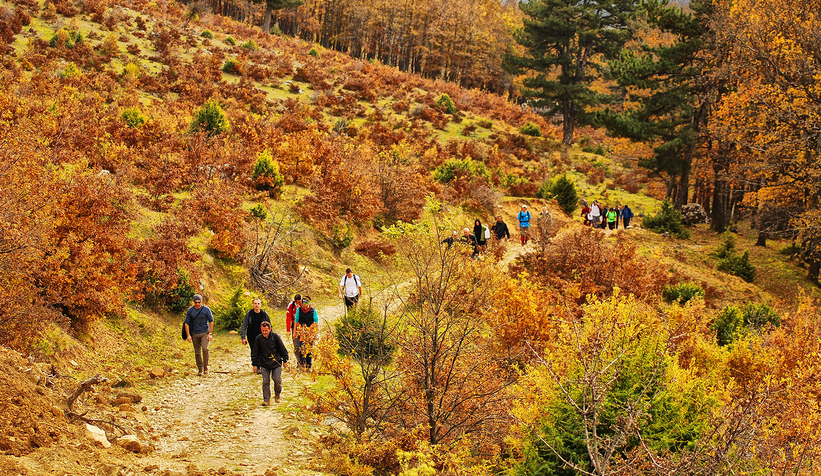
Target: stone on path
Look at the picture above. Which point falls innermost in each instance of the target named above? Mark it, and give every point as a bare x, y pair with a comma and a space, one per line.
156, 372
132, 444
97, 434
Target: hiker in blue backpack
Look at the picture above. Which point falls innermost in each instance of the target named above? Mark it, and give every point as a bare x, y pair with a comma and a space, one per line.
199, 325
524, 224
350, 288
626, 215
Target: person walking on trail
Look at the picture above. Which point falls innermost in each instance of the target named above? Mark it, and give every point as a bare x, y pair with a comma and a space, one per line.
586, 215
251, 324
453, 238
524, 224
199, 325
470, 240
595, 214
500, 229
545, 224
612, 216
482, 233
350, 288
290, 314
268, 356
306, 322
626, 215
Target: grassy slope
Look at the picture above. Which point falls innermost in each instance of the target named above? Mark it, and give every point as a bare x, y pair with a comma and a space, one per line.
779, 282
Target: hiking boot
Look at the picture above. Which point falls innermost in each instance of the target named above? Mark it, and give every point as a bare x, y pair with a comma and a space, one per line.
265, 403
276, 398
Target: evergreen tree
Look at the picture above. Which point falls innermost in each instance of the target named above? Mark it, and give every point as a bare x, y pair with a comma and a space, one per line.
669, 93
563, 41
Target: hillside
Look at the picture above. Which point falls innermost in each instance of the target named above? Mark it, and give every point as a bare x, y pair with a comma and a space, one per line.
148, 153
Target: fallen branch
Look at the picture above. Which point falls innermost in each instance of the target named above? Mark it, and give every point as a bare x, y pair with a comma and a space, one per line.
85, 386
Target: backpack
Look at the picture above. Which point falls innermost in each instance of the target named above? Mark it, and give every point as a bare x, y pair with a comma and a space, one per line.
486, 232
185, 334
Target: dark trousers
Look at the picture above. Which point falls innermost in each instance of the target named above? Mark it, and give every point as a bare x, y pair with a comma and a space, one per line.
626, 221
201, 353
350, 301
302, 355
611, 225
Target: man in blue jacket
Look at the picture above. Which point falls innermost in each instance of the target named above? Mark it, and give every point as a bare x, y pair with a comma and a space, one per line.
626, 215
199, 325
524, 224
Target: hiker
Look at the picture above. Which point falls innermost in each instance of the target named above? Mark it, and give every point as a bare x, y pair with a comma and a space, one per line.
500, 229
586, 215
451, 239
350, 287
612, 216
626, 215
524, 224
545, 224
595, 214
268, 355
481, 233
253, 319
306, 330
469, 239
199, 325
290, 313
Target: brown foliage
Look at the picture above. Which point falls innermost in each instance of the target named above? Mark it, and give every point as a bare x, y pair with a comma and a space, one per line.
375, 249
579, 262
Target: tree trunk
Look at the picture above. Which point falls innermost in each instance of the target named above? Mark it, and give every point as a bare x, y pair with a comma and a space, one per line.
814, 269
568, 121
762, 238
266, 24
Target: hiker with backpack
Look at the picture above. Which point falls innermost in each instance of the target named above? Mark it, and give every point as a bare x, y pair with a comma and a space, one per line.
306, 332
290, 313
612, 218
468, 239
268, 356
545, 225
626, 215
524, 224
350, 288
251, 324
199, 327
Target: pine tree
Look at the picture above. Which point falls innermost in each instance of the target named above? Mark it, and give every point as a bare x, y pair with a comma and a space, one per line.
564, 40
666, 82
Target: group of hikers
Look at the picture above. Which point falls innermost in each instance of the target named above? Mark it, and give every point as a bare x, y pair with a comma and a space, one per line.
268, 352
600, 216
478, 240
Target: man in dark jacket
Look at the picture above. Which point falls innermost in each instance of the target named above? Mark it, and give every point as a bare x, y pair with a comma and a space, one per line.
252, 322
500, 229
268, 355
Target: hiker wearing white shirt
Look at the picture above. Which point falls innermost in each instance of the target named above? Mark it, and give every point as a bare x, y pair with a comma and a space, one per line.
350, 288
595, 214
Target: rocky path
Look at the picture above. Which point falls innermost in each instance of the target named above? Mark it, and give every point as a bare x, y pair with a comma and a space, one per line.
217, 421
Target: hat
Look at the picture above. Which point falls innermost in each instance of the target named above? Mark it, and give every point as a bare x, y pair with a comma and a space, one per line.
197, 297
306, 300
524, 206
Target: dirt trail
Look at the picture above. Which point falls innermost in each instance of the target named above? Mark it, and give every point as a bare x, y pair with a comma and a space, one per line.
217, 421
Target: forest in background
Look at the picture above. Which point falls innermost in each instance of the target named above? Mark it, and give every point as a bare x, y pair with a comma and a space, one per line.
148, 147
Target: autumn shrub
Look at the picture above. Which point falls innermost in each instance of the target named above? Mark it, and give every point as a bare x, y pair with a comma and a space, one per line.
731, 263
596, 175
341, 235
530, 129
266, 175
667, 220
573, 263
133, 117
361, 333
67, 38
758, 316
275, 30
250, 45
210, 119
207, 34
446, 103
682, 292
232, 66
230, 312
455, 169
375, 249
563, 190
